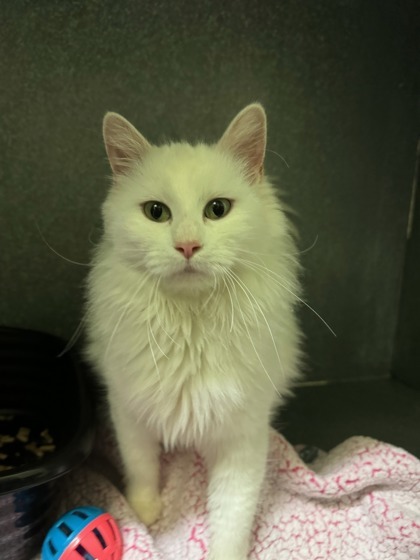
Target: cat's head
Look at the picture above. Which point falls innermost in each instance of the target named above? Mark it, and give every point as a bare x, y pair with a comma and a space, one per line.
188, 215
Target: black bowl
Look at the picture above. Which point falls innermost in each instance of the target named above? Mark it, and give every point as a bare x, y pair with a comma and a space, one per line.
46, 429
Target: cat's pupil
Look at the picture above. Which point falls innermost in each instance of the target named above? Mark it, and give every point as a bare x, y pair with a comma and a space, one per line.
156, 211
218, 208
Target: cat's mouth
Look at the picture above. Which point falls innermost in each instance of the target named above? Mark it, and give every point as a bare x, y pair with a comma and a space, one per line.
189, 279
189, 270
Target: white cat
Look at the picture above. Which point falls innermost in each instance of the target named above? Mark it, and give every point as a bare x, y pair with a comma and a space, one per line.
191, 321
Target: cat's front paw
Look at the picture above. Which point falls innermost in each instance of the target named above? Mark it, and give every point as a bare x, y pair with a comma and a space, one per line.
146, 503
223, 551
226, 556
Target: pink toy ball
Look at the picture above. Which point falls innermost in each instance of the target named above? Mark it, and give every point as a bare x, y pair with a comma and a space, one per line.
85, 533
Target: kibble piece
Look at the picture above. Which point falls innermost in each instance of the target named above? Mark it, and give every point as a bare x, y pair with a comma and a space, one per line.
46, 436
47, 448
32, 447
23, 434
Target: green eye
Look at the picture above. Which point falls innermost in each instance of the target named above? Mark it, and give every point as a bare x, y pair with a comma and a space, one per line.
156, 211
217, 208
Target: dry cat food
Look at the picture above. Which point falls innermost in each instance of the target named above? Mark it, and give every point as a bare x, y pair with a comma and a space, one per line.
23, 440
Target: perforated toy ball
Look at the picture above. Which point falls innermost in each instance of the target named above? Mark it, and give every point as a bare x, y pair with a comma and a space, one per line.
85, 533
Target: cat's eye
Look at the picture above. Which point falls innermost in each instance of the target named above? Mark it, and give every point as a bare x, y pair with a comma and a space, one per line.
217, 208
156, 211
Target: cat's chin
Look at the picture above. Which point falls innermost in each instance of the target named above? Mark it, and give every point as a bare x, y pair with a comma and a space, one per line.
188, 281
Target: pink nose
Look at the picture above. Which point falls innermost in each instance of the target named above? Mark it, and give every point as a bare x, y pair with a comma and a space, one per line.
188, 248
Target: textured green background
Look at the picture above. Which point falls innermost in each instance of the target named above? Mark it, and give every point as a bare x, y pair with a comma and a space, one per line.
337, 79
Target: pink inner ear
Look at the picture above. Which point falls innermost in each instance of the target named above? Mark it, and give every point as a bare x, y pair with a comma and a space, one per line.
120, 162
245, 139
124, 144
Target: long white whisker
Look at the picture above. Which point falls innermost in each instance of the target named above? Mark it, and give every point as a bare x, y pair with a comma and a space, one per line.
123, 313
235, 278
149, 331
232, 307
310, 247
160, 322
230, 279
74, 337
135, 250
266, 269
281, 157
215, 285
56, 252
152, 294
90, 237
245, 287
260, 253
291, 257
152, 352
270, 273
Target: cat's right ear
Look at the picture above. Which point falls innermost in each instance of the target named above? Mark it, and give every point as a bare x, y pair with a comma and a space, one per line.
124, 144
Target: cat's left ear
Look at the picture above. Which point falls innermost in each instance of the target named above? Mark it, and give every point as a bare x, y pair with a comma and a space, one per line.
246, 138
124, 144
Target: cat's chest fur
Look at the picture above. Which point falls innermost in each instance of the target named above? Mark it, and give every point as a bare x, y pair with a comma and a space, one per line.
180, 368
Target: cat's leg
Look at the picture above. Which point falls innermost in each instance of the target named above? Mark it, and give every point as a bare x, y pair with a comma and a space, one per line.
236, 470
140, 454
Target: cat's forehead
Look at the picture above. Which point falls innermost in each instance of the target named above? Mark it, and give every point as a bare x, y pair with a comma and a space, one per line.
180, 170
182, 161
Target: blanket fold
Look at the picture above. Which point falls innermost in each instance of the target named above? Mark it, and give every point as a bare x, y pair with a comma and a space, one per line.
359, 501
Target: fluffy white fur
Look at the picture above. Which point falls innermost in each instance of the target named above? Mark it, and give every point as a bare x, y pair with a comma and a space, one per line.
195, 352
